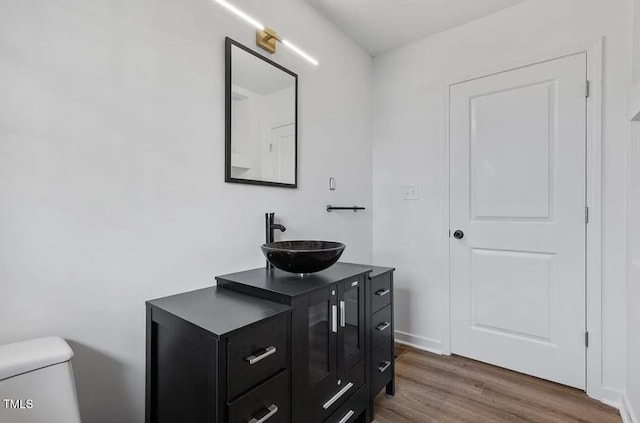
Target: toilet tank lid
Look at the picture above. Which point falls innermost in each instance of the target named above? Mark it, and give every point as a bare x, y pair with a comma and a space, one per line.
27, 356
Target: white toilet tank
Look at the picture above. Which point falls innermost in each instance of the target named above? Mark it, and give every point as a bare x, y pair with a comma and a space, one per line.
36, 382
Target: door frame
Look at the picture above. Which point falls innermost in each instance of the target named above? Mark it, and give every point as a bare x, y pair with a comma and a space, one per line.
593, 283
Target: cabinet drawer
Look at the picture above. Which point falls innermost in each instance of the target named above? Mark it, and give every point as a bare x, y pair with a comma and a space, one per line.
381, 366
352, 409
380, 291
268, 403
324, 405
381, 326
255, 354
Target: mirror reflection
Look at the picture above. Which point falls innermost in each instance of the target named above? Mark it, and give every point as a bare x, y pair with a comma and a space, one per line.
261, 119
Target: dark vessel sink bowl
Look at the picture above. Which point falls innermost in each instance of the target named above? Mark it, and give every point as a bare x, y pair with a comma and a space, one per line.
302, 257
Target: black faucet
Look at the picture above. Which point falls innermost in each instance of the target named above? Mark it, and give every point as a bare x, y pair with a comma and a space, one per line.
277, 226
269, 228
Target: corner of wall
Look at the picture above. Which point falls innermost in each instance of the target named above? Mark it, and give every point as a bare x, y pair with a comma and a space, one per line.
627, 412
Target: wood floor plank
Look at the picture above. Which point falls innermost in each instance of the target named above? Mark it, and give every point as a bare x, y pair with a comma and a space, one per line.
452, 389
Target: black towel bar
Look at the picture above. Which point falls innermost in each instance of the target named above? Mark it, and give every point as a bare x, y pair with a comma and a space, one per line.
354, 208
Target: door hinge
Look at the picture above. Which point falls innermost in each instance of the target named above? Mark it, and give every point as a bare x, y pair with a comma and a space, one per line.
449, 233
586, 214
586, 339
587, 90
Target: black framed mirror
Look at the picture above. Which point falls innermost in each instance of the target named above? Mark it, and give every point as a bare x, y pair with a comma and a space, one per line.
261, 122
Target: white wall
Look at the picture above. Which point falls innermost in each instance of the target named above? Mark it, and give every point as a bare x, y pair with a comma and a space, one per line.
408, 130
111, 169
633, 233
633, 281
636, 43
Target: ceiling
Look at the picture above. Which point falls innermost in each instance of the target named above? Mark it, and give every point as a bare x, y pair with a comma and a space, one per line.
380, 25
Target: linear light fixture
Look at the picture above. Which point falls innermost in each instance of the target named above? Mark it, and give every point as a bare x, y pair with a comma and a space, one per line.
300, 52
240, 14
266, 37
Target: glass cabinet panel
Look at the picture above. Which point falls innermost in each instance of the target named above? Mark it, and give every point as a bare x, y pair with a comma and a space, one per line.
350, 321
351, 336
319, 332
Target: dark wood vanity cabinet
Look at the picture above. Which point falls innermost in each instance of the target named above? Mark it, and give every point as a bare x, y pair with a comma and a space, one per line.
335, 332
269, 346
214, 355
334, 376
381, 333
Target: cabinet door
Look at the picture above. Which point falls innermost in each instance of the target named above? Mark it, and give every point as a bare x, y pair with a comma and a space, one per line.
322, 330
351, 331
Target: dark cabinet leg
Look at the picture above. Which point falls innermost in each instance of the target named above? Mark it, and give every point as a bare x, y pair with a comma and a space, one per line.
391, 387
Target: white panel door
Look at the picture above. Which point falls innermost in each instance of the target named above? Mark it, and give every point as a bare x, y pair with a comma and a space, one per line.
517, 175
279, 163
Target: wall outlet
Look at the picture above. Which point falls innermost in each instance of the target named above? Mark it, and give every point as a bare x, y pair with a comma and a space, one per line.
410, 192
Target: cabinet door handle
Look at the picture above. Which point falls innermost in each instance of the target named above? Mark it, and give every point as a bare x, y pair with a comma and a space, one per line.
382, 292
273, 409
337, 396
384, 367
334, 319
347, 416
383, 326
342, 314
253, 359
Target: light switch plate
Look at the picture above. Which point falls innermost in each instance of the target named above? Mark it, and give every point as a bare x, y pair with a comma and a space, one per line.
410, 192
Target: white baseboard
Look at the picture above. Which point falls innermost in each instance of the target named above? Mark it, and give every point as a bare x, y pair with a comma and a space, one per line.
418, 342
606, 396
617, 400
626, 411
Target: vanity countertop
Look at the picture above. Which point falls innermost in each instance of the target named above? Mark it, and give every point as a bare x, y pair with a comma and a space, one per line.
379, 270
219, 311
283, 285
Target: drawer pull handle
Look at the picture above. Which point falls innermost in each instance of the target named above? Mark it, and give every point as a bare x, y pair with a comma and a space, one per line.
253, 359
342, 314
273, 409
383, 326
347, 416
382, 292
334, 319
337, 396
384, 367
